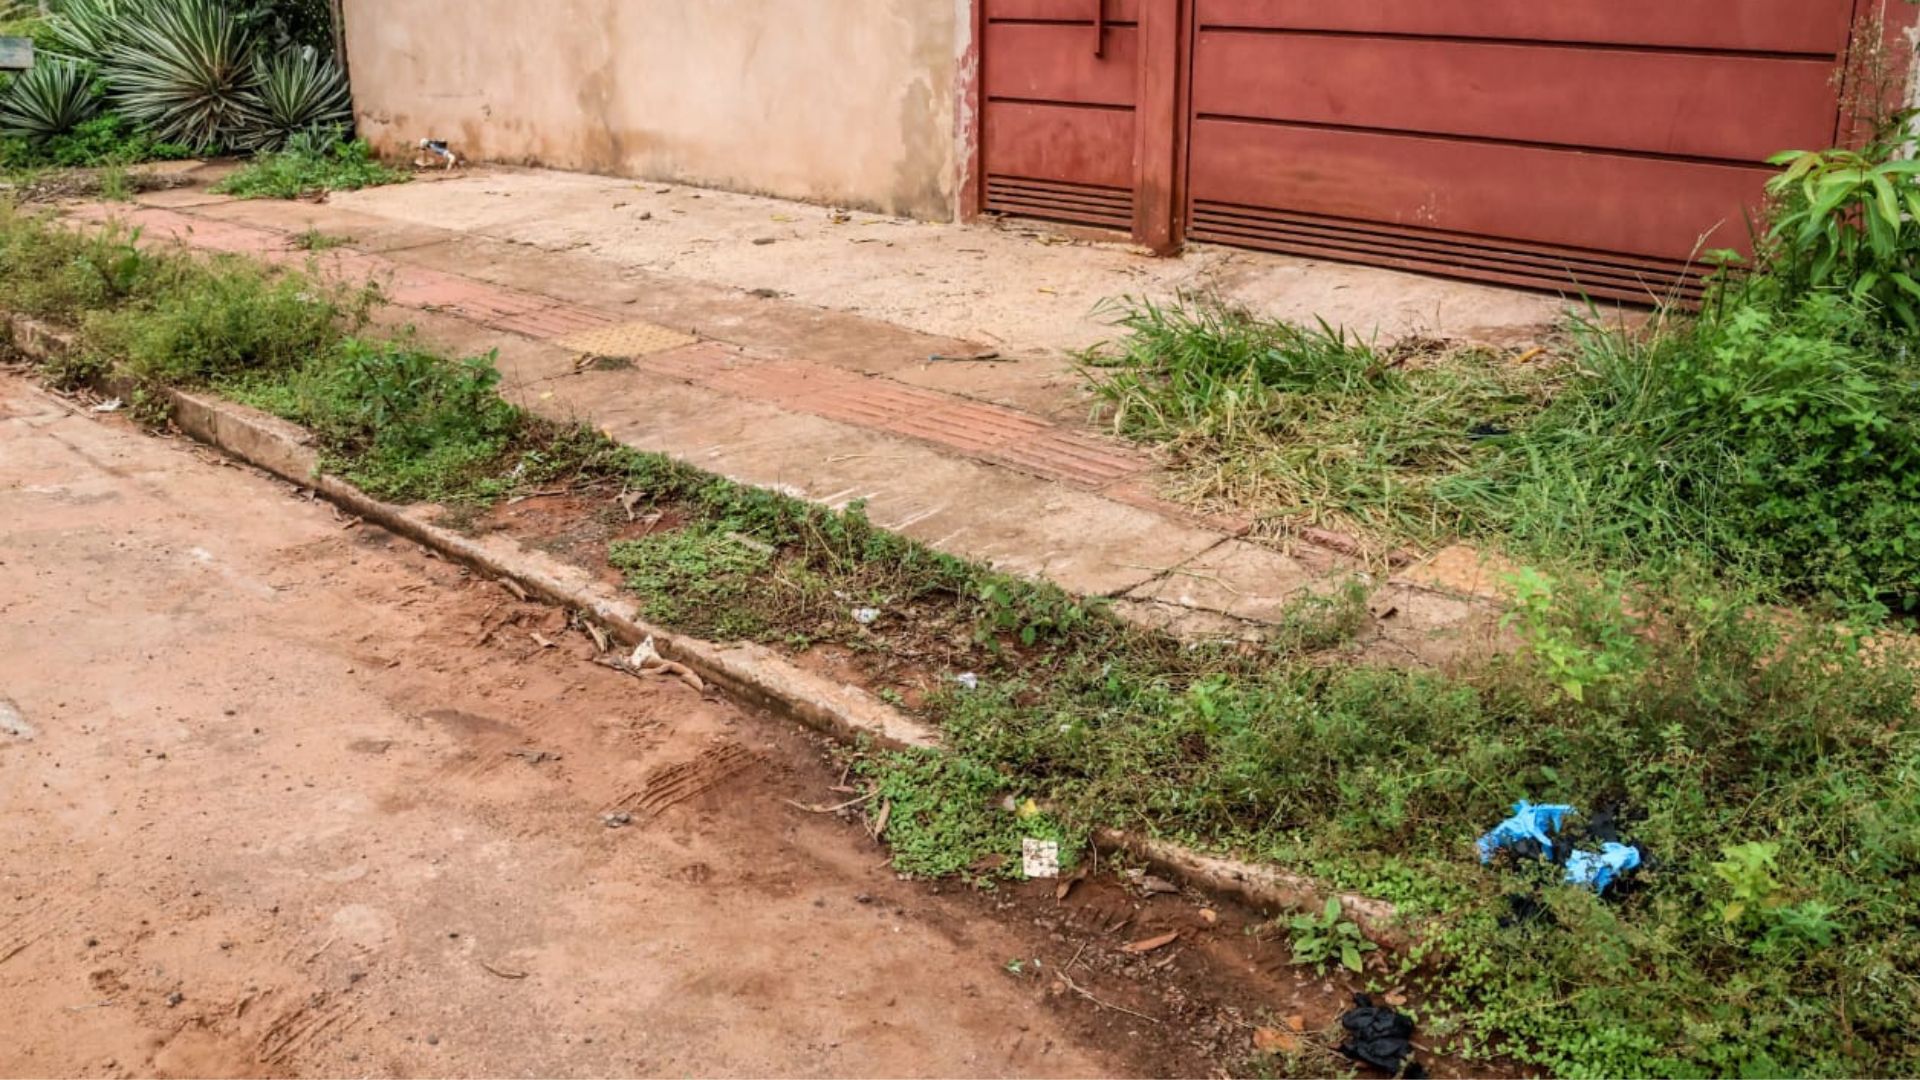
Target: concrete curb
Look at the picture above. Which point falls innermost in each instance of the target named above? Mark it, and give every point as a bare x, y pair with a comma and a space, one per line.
751, 673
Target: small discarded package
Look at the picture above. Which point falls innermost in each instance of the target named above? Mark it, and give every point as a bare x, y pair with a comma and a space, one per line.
866, 616
967, 680
1040, 858
1597, 871
1380, 1037
1530, 825
1532, 831
109, 405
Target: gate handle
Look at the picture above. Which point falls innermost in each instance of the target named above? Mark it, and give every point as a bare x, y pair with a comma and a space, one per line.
1099, 28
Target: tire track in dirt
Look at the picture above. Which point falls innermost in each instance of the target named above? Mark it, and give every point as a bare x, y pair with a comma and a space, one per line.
669, 785
38, 922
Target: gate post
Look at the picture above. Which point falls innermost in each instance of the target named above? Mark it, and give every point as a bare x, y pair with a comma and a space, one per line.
1156, 127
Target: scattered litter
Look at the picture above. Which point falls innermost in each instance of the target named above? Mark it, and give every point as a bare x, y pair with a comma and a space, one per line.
616, 820
1147, 945
1597, 871
1380, 1037
12, 723
1530, 834
436, 153
109, 405
1209, 916
866, 616
541, 640
1040, 858
967, 680
1526, 831
967, 358
646, 660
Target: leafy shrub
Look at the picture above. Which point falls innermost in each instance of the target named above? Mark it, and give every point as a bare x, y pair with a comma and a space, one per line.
107, 139
293, 92
312, 162
1849, 221
183, 69
52, 98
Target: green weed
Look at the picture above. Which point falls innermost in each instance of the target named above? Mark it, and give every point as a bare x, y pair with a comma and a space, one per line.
950, 815
316, 240
311, 163
1324, 937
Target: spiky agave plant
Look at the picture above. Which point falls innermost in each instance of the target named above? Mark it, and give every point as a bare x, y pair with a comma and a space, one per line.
87, 31
183, 70
294, 91
52, 98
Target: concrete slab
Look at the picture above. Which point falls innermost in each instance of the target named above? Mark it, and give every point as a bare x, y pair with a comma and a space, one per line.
1463, 570
367, 232
1019, 524
1236, 578
1023, 288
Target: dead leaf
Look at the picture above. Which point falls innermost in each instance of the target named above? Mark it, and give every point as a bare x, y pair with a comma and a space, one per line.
987, 863
513, 587
504, 973
1150, 884
880, 820
541, 641
1147, 945
599, 637
1066, 885
1274, 1041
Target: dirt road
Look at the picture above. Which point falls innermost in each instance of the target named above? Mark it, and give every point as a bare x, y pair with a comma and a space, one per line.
279, 796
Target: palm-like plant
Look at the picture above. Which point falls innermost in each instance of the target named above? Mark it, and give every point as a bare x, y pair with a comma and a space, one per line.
183, 70
52, 98
297, 90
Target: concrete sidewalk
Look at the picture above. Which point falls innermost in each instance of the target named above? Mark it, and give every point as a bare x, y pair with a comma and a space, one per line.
629, 307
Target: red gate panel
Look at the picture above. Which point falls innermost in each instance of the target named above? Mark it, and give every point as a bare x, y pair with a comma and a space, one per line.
1603, 142
1059, 81
1600, 143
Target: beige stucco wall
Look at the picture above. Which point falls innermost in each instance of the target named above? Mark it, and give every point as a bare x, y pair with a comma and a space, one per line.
848, 102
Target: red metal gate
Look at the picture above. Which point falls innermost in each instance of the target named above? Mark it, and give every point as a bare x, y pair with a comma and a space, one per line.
1608, 142
1602, 143
1077, 111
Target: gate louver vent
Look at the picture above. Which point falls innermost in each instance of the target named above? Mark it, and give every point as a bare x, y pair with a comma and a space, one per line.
1082, 204
1596, 274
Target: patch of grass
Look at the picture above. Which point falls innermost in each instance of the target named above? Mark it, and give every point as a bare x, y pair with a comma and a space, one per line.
1774, 438
311, 164
316, 241
1309, 423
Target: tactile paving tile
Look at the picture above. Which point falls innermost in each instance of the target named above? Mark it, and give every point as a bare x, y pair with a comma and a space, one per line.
626, 340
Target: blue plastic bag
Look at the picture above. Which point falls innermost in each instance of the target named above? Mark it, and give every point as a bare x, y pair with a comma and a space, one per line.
1529, 822
1597, 871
